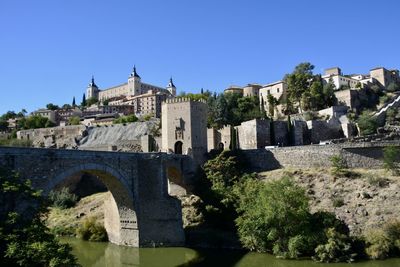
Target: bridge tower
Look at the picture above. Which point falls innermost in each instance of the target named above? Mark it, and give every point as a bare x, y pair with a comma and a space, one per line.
184, 128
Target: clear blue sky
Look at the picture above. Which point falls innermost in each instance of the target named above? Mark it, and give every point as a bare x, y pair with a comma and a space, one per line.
49, 49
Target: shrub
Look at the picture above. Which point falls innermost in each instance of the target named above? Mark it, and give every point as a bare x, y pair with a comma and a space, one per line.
378, 244
392, 87
62, 199
367, 123
92, 230
338, 165
377, 181
392, 230
390, 154
338, 202
273, 215
338, 248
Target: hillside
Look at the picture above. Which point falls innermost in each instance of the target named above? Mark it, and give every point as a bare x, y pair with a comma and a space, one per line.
365, 200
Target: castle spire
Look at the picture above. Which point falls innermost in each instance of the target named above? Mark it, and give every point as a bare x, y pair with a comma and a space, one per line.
92, 84
171, 83
134, 73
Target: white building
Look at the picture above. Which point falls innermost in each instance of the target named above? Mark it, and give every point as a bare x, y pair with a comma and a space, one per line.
133, 87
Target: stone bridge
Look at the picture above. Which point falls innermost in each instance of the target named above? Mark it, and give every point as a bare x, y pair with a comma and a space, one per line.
140, 213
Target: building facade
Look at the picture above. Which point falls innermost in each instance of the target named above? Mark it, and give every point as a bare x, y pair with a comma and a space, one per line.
133, 87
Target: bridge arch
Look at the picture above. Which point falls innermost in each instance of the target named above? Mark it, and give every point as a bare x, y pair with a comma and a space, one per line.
120, 218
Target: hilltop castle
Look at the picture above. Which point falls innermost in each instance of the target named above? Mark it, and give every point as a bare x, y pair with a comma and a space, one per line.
140, 98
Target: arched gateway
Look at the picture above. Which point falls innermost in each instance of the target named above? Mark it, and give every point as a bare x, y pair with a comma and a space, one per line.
140, 212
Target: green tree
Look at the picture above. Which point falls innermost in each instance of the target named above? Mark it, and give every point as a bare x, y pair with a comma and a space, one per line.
272, 102
126, 119
393, 87
273, 215
90, 101
34, 122
74, 120
24, 239
298, 81
3, 125
83, 104
367, 123
390, 154
66, 106
73, 102
51, 106
328, 92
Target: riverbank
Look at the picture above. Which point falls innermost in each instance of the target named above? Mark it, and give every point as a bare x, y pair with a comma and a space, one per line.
101, 254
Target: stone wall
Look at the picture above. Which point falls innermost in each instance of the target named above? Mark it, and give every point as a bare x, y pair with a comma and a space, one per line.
141, 213
55, 137
359, 155
254, 134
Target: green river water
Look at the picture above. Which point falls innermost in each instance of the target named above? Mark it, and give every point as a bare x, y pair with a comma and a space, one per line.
106, 254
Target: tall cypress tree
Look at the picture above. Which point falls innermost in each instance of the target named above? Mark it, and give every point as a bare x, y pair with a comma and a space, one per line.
73, 102
83, 100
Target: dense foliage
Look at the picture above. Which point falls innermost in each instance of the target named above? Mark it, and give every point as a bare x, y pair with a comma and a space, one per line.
62, 199
385, 242
74, 120
367, 123
274, 216
307, 91
390, 155
24, 239
91, 230
126, 119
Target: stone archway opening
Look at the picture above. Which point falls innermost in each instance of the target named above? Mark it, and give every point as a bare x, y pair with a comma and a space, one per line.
221, 146
178, 147
120, 219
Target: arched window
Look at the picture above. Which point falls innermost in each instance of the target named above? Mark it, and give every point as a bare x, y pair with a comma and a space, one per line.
178, 147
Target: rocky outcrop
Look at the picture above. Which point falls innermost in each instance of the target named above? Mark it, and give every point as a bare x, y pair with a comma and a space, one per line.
118, 137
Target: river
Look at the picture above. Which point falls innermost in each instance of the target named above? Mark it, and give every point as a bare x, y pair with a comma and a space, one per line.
110, 255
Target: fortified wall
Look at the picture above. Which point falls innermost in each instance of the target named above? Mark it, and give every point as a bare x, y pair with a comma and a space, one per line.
359, 155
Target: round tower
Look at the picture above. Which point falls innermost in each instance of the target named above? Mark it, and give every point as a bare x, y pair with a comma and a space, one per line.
171, 87
92, 90
134, 83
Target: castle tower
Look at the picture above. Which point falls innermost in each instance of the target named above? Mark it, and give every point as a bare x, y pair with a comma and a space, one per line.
92, 90
184, 128
171, 87
134, 83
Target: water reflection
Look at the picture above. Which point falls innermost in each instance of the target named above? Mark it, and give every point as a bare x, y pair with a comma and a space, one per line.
107, 255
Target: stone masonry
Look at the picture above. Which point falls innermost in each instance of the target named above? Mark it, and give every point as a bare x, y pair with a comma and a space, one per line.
141, 212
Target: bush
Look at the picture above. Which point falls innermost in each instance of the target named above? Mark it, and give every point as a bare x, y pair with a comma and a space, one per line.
338, 202
338, 248
378, 244
338, 165
367, 123
385, 242
392, 87
62, 199
377, 181
390, 154
92, 230
126, 119
273, 215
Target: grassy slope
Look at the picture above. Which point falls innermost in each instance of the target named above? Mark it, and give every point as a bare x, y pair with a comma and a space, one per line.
65, 222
